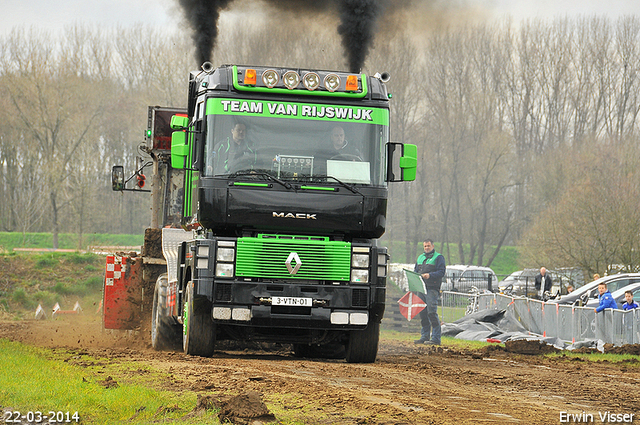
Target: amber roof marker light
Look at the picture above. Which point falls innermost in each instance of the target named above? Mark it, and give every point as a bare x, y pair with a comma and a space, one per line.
352, 83
250, 77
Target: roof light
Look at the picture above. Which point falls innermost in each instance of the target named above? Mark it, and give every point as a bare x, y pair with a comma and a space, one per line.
291, 79
250, 77
311, 80
352, 83
270, 78
332, 82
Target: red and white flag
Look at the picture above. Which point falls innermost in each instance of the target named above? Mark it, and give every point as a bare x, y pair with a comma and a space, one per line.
411, 305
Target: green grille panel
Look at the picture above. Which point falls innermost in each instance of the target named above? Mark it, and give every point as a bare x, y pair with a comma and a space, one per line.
320, 258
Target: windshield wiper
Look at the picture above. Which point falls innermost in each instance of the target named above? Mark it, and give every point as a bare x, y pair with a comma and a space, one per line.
348, 186
262, 174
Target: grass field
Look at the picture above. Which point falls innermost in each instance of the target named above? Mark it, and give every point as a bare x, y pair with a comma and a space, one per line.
42, 380
29, 279
10, 240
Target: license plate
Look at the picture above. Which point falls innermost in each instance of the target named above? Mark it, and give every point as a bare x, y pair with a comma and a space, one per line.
292, 301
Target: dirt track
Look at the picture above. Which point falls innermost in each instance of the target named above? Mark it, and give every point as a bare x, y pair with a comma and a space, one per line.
408, 384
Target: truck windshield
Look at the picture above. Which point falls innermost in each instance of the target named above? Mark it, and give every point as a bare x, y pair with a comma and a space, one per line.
296, 149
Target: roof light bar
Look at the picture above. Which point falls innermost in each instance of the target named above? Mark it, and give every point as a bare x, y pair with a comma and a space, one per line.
315, 83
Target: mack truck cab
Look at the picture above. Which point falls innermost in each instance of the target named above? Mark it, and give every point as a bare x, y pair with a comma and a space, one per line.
284, 193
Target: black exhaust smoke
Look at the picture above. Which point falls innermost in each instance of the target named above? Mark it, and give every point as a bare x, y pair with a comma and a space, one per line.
203, 18
357, 26
357, 23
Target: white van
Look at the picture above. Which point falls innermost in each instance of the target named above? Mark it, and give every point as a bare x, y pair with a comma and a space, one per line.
462, 278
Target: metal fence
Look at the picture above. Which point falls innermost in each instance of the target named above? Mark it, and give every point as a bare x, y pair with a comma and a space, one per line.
571, 324
568, 323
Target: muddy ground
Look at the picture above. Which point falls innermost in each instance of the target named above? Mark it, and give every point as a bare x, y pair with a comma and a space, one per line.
408, 384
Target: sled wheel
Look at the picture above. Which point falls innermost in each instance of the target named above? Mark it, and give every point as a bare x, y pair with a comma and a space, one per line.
165, 333
198, 330
363, 344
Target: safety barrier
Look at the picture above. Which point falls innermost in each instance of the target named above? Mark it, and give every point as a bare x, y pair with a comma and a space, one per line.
455, 305
571, 324
568, 323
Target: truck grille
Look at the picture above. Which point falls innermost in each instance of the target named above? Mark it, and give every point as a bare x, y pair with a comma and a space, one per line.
223, 292
266, 257
359, 298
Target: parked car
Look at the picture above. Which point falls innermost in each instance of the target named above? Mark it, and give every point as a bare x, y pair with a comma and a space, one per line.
462, 278
521, 282
618, 295
590, 291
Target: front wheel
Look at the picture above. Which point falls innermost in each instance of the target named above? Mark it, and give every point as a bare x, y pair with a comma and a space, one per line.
165, 333
363, 345
199, 336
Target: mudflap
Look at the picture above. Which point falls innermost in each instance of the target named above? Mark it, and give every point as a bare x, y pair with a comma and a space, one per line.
123, 293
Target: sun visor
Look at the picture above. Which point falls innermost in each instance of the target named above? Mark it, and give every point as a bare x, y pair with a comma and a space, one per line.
350, 171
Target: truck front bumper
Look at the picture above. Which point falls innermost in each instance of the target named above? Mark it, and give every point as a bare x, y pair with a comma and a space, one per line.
313, 306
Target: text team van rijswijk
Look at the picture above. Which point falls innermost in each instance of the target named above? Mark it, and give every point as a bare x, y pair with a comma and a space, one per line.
292, 110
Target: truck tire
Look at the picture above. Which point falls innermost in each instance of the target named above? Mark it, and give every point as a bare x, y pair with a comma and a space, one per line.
199, 336
363, 345
165, 332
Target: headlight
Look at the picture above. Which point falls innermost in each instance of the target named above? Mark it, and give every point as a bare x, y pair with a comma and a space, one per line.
224, 270
202, 263
311, 80
332, 82
202, 257
291, 79
359, 276
360, 261
270, 78
382, 265
226, 254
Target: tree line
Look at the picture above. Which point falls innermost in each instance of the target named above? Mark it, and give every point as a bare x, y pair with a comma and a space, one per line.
527, 133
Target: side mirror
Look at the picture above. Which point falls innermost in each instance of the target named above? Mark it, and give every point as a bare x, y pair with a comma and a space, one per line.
409, 162
179, 122
117, 178
179, 148
402, 162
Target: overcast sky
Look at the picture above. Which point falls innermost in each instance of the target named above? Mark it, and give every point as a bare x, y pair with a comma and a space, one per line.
55, 14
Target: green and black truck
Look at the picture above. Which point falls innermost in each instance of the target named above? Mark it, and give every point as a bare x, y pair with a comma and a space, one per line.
283, 178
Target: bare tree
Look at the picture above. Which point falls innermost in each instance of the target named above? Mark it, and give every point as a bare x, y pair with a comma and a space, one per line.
54, 107
594, 224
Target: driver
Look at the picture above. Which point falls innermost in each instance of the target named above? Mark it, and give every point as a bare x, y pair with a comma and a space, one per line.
234, 153
341, 146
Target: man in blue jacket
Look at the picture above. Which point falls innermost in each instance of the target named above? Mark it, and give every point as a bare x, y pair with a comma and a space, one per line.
431, 266
605, 298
